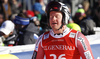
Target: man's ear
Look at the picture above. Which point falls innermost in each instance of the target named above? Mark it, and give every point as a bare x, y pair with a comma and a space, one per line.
11, 33
84, 15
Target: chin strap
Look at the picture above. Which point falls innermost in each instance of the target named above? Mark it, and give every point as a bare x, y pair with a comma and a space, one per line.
60, 27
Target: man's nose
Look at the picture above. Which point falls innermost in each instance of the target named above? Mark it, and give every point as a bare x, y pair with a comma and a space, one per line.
54, 18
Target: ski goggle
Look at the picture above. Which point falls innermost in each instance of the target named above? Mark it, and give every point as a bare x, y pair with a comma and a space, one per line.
53, 6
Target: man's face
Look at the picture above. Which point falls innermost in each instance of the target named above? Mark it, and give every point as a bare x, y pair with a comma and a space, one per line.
55, 20
18, 27
2, 34
79, 16
1, 19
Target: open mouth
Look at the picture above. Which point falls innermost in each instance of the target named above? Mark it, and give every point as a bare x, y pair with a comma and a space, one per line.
54, 23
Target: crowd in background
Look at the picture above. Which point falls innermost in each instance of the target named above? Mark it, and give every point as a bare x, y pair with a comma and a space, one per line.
30, 21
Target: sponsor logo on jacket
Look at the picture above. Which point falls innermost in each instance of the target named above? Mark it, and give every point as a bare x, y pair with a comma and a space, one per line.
59, 47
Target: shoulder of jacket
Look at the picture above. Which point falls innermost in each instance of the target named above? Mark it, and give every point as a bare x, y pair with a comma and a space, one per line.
39, 39
73, 33
46, 35
42, 36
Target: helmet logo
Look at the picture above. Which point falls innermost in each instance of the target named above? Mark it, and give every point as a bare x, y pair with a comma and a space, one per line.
55, 7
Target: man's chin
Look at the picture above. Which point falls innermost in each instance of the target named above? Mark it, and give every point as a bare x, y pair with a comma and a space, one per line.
55, 28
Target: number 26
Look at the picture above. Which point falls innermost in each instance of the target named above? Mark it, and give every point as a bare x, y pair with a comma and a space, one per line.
60, 57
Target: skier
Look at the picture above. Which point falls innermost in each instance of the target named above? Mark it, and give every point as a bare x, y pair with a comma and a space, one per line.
61, 42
